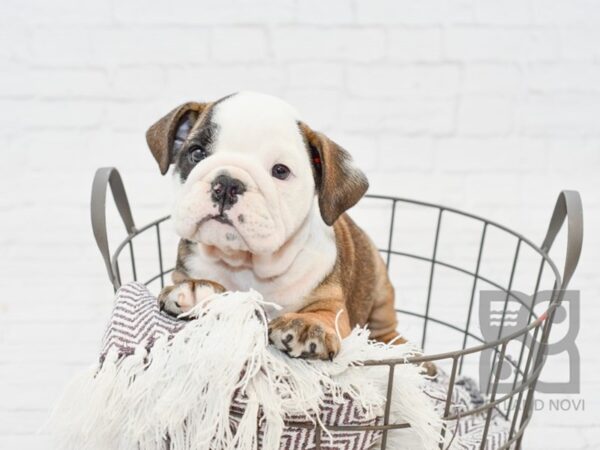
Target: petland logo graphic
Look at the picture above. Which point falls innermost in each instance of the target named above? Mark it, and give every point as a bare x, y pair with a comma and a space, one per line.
511, 315
502, 314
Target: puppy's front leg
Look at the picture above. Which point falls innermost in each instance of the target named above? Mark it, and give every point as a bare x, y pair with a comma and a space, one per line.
311, 332
184, 295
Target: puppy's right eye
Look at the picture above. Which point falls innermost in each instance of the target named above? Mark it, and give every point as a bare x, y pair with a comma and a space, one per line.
197, 154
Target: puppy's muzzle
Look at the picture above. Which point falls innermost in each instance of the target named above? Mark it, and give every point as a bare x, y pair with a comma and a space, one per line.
226, 190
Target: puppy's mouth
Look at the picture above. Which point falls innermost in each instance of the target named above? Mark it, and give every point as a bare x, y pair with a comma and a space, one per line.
221, 218
227, 233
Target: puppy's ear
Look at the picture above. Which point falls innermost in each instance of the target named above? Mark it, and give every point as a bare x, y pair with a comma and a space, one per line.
166, 136
340, 184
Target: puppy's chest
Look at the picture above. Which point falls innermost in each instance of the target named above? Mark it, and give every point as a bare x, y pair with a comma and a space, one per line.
288, 290
282, 291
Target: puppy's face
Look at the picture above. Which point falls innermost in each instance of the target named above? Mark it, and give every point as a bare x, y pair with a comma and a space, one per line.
247, 172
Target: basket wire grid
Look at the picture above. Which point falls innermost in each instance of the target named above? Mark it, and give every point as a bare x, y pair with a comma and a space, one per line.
523, 350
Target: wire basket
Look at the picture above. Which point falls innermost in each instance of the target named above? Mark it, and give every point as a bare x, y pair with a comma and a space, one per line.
457, 246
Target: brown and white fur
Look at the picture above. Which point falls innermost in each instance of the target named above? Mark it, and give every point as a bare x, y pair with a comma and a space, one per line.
245, 223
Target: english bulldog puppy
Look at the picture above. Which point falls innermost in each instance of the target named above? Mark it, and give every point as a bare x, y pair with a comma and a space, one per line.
260, 204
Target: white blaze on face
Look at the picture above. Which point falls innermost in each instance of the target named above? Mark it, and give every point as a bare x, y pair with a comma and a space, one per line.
254, 132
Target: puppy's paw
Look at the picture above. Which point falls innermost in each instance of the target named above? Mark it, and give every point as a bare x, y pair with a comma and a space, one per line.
303, 336
183, 296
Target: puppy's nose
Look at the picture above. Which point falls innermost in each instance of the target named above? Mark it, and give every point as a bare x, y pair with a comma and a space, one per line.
225, 191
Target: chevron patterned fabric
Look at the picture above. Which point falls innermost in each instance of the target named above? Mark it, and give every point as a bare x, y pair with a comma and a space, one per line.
136, 321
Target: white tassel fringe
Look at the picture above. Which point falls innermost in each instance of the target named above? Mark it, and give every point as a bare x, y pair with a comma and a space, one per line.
184, 387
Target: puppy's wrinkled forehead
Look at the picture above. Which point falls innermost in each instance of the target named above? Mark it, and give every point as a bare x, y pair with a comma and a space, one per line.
245, 123
250, 117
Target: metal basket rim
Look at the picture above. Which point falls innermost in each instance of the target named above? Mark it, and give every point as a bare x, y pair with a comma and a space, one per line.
425, 357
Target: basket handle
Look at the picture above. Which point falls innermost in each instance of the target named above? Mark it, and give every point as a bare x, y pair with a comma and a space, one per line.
108, 176
568, 205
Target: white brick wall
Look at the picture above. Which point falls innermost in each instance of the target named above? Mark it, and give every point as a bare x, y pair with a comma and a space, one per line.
490, 106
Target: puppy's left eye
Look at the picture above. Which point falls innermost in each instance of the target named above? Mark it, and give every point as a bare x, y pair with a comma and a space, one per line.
197, 154
280, 171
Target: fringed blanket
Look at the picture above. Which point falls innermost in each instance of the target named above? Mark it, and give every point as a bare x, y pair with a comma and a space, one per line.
215, 383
